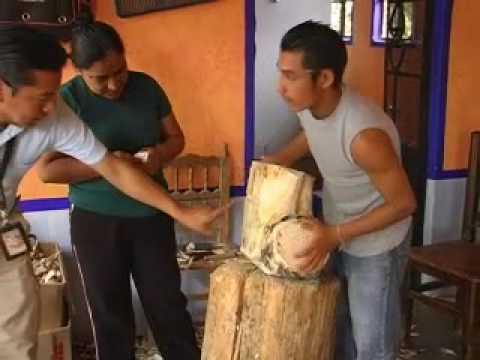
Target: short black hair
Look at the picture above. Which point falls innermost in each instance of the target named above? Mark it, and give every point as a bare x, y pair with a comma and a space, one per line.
92, 40
23, 49
322, 47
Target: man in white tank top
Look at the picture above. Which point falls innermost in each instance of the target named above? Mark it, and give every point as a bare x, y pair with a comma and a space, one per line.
367, 199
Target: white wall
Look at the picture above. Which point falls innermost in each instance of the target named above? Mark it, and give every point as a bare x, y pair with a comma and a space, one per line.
444, 210
274, 124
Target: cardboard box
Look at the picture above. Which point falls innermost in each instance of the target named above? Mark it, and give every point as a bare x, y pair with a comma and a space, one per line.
52, 308
55, 344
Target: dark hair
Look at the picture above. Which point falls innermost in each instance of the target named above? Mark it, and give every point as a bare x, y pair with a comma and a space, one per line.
24, 49
92, 40
322, 47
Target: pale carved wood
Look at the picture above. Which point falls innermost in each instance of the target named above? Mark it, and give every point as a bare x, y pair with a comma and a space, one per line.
277, 197
254, 316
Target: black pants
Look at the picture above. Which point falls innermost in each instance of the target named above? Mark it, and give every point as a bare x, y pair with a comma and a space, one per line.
109, 249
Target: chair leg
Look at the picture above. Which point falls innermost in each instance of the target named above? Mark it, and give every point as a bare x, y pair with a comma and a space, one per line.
410, 281
460, 303
471, 346
407, 338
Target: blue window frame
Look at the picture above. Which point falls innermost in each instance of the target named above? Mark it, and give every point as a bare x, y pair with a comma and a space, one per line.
341, 18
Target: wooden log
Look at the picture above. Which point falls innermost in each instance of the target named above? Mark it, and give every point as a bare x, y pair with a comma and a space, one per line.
278, 198
253, 316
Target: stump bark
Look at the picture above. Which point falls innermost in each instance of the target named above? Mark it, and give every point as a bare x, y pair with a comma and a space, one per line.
253, 316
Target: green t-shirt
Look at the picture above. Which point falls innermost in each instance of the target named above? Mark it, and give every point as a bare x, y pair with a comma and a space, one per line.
128, 124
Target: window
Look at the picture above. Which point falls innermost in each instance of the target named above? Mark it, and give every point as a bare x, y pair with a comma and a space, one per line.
400, 13
341, 18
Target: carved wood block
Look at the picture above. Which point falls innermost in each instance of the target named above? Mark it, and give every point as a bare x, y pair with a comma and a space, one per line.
278, 219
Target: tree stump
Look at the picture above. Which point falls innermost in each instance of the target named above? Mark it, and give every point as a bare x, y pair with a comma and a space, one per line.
253, 316
278, 202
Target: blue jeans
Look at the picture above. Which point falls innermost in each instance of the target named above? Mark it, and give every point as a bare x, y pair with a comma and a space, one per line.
369, 312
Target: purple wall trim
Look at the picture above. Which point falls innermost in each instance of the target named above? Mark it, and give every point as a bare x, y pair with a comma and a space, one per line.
44, 204
236, 191
438, 94
249, 85
47, 204
450, 174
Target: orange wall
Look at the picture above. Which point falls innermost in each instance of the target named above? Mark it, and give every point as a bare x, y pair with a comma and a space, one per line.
463, 111
197, 54
366, 62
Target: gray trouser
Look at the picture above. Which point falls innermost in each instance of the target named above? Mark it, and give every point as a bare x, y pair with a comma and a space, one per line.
19, 309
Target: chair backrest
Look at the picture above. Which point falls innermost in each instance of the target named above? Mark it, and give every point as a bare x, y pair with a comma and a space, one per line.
196, 180
471, 216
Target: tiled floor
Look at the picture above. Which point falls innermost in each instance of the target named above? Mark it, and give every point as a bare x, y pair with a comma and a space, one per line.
435, 339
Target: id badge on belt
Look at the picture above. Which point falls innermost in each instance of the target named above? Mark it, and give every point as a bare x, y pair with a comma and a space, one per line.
13, 238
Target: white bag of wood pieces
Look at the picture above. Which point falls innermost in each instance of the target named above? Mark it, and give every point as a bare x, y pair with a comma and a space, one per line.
49, 271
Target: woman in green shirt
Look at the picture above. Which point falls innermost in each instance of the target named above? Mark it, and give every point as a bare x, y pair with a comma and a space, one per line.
114, 236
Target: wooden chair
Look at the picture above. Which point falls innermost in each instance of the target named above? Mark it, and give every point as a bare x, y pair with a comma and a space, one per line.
455, 263
203, 180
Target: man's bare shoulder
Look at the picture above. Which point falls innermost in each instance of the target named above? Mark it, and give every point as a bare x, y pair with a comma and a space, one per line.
372, 149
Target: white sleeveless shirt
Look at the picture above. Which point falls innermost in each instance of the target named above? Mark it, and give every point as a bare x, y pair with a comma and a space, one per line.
348, 192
